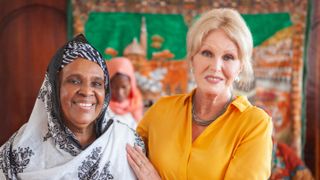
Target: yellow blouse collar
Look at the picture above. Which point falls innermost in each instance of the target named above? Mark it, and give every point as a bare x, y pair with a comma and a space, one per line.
241, 102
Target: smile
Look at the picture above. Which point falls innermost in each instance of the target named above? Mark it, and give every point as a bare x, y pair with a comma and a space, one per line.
213, 79
85, 106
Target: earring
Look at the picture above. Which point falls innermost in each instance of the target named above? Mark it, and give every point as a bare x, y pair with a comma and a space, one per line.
237, 79
191, 70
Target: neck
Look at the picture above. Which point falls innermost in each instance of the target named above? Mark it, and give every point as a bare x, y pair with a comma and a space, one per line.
86, 135
207, 106
85, 138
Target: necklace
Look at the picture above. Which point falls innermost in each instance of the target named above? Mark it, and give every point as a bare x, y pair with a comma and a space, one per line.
202, 122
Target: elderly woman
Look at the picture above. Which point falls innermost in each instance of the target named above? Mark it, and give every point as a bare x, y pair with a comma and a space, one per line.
209, 133
69, 134
126, 100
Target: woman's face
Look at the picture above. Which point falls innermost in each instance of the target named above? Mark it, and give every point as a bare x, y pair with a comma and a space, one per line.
120, 87
82, 93
216, 64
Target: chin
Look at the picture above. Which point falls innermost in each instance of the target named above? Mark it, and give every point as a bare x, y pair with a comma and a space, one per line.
85, 120
211, 90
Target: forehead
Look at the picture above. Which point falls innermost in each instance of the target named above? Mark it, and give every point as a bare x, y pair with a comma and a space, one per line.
83, 67
120, 79
219, 39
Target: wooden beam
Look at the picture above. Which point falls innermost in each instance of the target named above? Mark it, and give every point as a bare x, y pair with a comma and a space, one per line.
312, 148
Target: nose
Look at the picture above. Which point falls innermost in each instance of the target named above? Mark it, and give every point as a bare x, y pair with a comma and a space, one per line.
216, 64
85, 90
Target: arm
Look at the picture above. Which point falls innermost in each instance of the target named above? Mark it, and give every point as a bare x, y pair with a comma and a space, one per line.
138, 161
252, 158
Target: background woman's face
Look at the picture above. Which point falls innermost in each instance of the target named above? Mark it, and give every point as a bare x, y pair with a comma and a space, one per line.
82, 93
216, 64
120, 87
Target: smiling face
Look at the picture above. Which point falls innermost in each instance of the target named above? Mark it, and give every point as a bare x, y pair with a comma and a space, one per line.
82, 93
216, 64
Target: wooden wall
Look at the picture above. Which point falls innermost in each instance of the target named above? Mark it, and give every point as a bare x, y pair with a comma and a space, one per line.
30, 33
312, 148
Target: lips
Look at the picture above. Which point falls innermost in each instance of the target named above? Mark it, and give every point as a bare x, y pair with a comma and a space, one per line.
213, 79
84, 105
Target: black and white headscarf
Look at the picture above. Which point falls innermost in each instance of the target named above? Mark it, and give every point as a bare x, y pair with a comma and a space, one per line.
44, 148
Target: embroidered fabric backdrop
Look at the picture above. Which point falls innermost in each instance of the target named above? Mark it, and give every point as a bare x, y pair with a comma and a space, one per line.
158, 53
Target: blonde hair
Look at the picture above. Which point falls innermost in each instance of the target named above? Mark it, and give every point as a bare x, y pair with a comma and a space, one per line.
231, 22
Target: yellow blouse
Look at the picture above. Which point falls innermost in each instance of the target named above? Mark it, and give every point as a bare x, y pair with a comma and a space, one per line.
237, 145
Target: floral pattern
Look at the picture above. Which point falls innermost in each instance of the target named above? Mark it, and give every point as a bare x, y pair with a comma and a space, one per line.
13, 161
90, 167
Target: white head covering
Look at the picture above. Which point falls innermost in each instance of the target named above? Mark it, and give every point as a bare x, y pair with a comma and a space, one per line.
44, 148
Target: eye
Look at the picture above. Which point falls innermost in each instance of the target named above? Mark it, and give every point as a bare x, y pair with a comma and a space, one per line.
206, 53
74, 81
228, 57
97, 84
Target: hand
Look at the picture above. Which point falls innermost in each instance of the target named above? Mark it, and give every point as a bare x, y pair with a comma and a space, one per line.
140, 164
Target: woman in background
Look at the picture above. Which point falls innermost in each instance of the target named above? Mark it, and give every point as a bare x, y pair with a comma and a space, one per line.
69, 135
126, 100
208, 133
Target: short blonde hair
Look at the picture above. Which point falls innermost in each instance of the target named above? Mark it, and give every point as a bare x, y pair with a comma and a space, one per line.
231, 22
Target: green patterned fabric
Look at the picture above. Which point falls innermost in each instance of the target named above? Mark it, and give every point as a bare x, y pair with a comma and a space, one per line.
117, 30
263, 26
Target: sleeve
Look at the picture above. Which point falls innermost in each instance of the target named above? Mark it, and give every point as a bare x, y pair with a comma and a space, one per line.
252, 158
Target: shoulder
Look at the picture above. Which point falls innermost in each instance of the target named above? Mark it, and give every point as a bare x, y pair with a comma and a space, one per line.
125, 118
251, 119
257, 113
123, 131
249, 111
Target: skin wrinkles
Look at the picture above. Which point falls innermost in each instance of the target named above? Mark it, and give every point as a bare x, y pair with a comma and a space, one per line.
82, 94
215, 65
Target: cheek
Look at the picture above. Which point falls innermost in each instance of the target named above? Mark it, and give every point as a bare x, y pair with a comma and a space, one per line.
101, 96
128, 90
64, 96
232, 71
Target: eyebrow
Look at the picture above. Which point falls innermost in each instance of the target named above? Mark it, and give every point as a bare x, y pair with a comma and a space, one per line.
79, 75
98, 78
230, 50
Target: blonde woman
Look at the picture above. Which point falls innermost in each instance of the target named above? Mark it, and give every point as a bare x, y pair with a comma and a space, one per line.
208, 133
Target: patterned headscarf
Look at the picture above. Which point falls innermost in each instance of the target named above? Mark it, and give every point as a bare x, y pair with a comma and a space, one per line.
45, 148
78, 47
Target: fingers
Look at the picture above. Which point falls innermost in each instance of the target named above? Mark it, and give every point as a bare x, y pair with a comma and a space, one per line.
140, 164
133, 165
135, 156
131, 156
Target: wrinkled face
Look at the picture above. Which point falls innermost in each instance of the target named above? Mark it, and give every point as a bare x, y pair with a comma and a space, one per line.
216, 64
82, 93
120, 87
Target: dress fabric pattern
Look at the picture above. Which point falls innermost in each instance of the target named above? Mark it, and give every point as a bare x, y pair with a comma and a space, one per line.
44, 148
17, 159
89, 168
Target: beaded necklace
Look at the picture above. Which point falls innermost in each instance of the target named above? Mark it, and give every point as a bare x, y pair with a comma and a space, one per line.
202, 122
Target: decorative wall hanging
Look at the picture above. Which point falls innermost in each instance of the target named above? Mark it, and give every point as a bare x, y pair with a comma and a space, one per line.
153, 35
